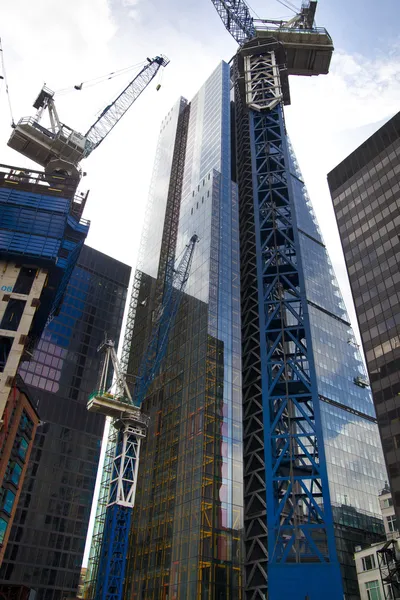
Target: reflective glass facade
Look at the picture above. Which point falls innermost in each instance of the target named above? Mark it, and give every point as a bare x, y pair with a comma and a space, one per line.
365, 190
353, 450
186, 534
47, 540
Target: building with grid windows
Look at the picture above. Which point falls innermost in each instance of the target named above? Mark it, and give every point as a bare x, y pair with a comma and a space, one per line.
365, 189
46, 543
41, 234
20, 421
378, 565
199, 523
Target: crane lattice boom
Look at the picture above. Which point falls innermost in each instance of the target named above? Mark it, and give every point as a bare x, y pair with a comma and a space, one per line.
159, 337
237, 19
108, 559
116, 110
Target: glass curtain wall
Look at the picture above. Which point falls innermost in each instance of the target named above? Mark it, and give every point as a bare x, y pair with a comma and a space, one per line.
186, 533
355, 462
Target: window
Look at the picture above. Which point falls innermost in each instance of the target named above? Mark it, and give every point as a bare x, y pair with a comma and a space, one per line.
5, 347
8, 501
14, 473
26, 424
387, 503
12, 314
368, 562
3, 528
391, 521
373, 590
24, 281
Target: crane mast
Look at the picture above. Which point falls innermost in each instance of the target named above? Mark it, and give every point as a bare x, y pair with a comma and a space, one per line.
289, 531
129, 428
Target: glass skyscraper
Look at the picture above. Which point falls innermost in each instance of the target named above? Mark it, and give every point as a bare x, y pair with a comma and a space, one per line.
188, 518
199, 513
47, 539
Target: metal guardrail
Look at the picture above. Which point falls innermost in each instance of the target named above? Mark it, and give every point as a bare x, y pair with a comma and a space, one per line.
22, 175
265, 26
16, 176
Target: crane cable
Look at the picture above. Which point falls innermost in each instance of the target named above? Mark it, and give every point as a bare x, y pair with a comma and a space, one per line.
97, 80
289, 5
4, 78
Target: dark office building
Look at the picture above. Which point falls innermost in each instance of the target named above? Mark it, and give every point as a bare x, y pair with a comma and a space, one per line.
47, 540
365, 189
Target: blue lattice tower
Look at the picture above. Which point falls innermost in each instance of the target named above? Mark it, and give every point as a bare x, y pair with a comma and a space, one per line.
122, 486
290, 544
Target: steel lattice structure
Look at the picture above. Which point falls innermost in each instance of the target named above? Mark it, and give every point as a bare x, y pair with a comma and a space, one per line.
116, 110
289, 534
288, 518
237, 19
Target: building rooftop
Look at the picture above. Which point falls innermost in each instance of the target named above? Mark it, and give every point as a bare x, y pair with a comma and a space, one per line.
362, 155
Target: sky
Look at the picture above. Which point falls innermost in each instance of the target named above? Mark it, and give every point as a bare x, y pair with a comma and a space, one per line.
64, 43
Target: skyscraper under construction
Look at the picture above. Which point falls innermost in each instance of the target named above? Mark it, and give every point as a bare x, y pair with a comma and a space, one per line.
199, 527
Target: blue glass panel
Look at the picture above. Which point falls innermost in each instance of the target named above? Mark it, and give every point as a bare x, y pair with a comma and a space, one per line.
15, 474
23, 448
3, 529
8, 501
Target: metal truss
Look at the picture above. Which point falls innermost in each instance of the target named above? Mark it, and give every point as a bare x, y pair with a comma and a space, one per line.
109, 563
172, 210
111, 571
114, 549
389, 569
255, 506
237, 19
100, 518
157, 346
262, 81
168, 245
126, 462
287, 503
116, 110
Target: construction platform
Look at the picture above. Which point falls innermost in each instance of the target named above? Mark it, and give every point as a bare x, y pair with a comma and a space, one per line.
116, 408
308, 51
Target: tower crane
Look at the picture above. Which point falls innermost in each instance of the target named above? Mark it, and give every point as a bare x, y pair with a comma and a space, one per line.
288, 521
60, 148
131, 425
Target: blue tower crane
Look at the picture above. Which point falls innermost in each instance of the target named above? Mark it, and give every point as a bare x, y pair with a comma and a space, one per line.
289, 531
130, 424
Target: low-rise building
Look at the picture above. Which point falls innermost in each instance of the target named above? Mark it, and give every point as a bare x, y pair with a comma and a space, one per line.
17, 433
378, 565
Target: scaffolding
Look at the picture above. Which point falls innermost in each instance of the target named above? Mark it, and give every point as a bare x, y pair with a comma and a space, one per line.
389, 569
